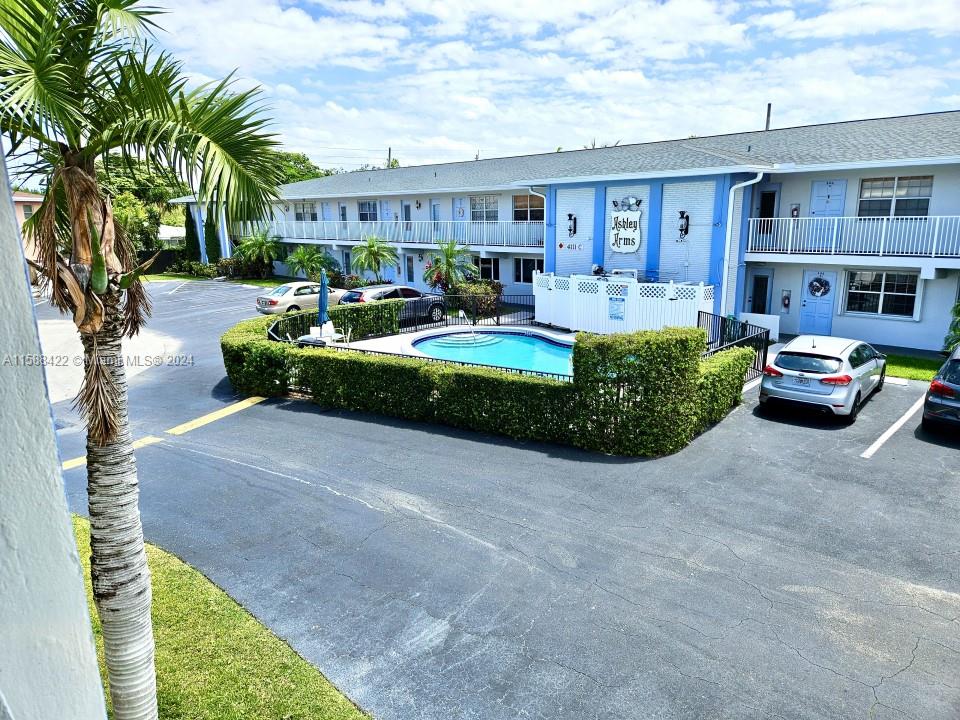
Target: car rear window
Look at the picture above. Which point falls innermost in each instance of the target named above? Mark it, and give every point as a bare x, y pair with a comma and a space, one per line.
350, 296
951, 372
279, 290
804, 362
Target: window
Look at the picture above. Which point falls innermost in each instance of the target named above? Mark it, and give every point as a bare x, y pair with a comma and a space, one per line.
489, 267
409, 268
367, 209
27, 212
343, 212
346, 261
895, 196
410, 294
527, 208
861, 355
305, 212
882, 293
483, 208
523, 269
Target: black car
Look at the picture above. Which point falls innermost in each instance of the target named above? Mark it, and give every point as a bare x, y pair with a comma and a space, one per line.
419, 305
941, 408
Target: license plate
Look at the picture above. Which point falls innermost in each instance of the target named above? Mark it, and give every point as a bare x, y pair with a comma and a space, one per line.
801, 381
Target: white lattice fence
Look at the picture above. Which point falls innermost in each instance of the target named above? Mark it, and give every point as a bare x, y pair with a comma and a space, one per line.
601, 305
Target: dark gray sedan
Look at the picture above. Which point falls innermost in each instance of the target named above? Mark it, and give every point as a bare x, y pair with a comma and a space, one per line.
942, 405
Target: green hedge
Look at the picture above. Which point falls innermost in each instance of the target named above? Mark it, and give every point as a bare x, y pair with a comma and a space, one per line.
720, 386
255, 365
363, 320
646, 393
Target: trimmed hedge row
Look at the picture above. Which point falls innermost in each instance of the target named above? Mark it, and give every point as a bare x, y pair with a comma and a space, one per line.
646, 393
372, 319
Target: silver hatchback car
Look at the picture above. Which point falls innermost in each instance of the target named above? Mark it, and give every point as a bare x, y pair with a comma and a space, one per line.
831, 374
295, 295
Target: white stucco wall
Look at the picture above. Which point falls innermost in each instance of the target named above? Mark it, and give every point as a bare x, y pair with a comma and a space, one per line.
938, 297
48, 668
797, 188
734, 267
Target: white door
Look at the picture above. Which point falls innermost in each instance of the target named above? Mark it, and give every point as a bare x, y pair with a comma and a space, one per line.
826, 202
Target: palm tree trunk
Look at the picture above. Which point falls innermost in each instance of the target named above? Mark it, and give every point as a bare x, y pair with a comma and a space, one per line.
118, 563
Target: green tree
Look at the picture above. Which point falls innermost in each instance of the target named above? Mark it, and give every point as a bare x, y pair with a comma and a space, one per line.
140, 226
310, 260
374, 254
211, 236
297, 166
79, 80
259, 250
449, 265
191, 239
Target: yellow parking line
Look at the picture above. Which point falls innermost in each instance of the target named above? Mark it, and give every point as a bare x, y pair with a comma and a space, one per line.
82, 460
214, 416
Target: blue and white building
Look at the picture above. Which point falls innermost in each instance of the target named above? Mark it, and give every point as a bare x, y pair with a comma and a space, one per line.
848, 228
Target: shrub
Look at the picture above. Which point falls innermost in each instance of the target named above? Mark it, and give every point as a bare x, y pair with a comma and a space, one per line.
720, 385
211, 238
254, 364
644, 393
362, 320
191, 239
479, 298
194, 267
638, 390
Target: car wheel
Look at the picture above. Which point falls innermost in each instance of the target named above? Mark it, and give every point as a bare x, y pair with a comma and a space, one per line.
883, 377
293, 308
436, 313
852, 417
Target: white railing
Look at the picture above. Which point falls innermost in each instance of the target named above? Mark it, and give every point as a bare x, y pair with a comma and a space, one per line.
417, 232
609, 305
934, 236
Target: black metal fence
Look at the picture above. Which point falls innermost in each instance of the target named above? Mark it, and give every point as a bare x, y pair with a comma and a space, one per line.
724, 333
504, 368
424, 313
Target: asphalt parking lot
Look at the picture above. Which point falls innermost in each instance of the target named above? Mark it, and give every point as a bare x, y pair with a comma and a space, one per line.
767, 570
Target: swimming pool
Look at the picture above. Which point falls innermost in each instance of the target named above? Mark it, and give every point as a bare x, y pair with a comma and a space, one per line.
519, 350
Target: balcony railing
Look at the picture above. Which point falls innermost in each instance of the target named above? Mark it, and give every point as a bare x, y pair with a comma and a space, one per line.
502, 233
934, 236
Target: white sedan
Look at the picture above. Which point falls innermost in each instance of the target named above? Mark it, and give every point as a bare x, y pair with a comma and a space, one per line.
832, 374
293, 296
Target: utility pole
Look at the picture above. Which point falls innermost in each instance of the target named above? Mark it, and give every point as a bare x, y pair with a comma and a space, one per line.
769, 108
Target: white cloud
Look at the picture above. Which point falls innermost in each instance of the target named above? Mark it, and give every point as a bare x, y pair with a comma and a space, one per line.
438, 80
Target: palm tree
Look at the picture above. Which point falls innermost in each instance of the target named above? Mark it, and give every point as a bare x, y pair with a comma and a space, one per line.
374, 254
449, 265
78, 81
953, 332
261, 249
310, 260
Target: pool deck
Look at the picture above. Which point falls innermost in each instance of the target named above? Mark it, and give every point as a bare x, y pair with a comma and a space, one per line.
403, 344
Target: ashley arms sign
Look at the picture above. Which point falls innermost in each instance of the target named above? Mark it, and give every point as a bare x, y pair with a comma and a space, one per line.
625, 232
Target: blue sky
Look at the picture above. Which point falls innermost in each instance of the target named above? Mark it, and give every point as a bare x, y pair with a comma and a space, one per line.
442, 80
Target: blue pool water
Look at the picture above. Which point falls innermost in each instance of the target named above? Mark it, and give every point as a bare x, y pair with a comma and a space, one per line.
513, 350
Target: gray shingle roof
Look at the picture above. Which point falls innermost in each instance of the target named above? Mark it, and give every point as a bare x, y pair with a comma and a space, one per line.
911, 137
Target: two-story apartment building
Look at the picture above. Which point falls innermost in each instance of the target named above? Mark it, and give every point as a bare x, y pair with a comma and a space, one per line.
848, 228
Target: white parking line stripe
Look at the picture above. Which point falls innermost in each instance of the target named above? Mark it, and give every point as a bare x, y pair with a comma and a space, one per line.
869, 452
903, 382
751, 385
179, 286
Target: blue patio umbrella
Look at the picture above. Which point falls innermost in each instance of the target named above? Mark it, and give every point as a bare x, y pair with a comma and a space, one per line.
323, 300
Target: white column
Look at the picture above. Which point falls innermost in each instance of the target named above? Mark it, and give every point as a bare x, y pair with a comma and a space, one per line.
48, 667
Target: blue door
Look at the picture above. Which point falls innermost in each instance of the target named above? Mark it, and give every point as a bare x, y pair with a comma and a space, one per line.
816, 302
827, 199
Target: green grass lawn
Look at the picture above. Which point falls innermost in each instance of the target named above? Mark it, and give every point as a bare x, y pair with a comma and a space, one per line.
264, 283
912, 368
160, 277
215, 661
